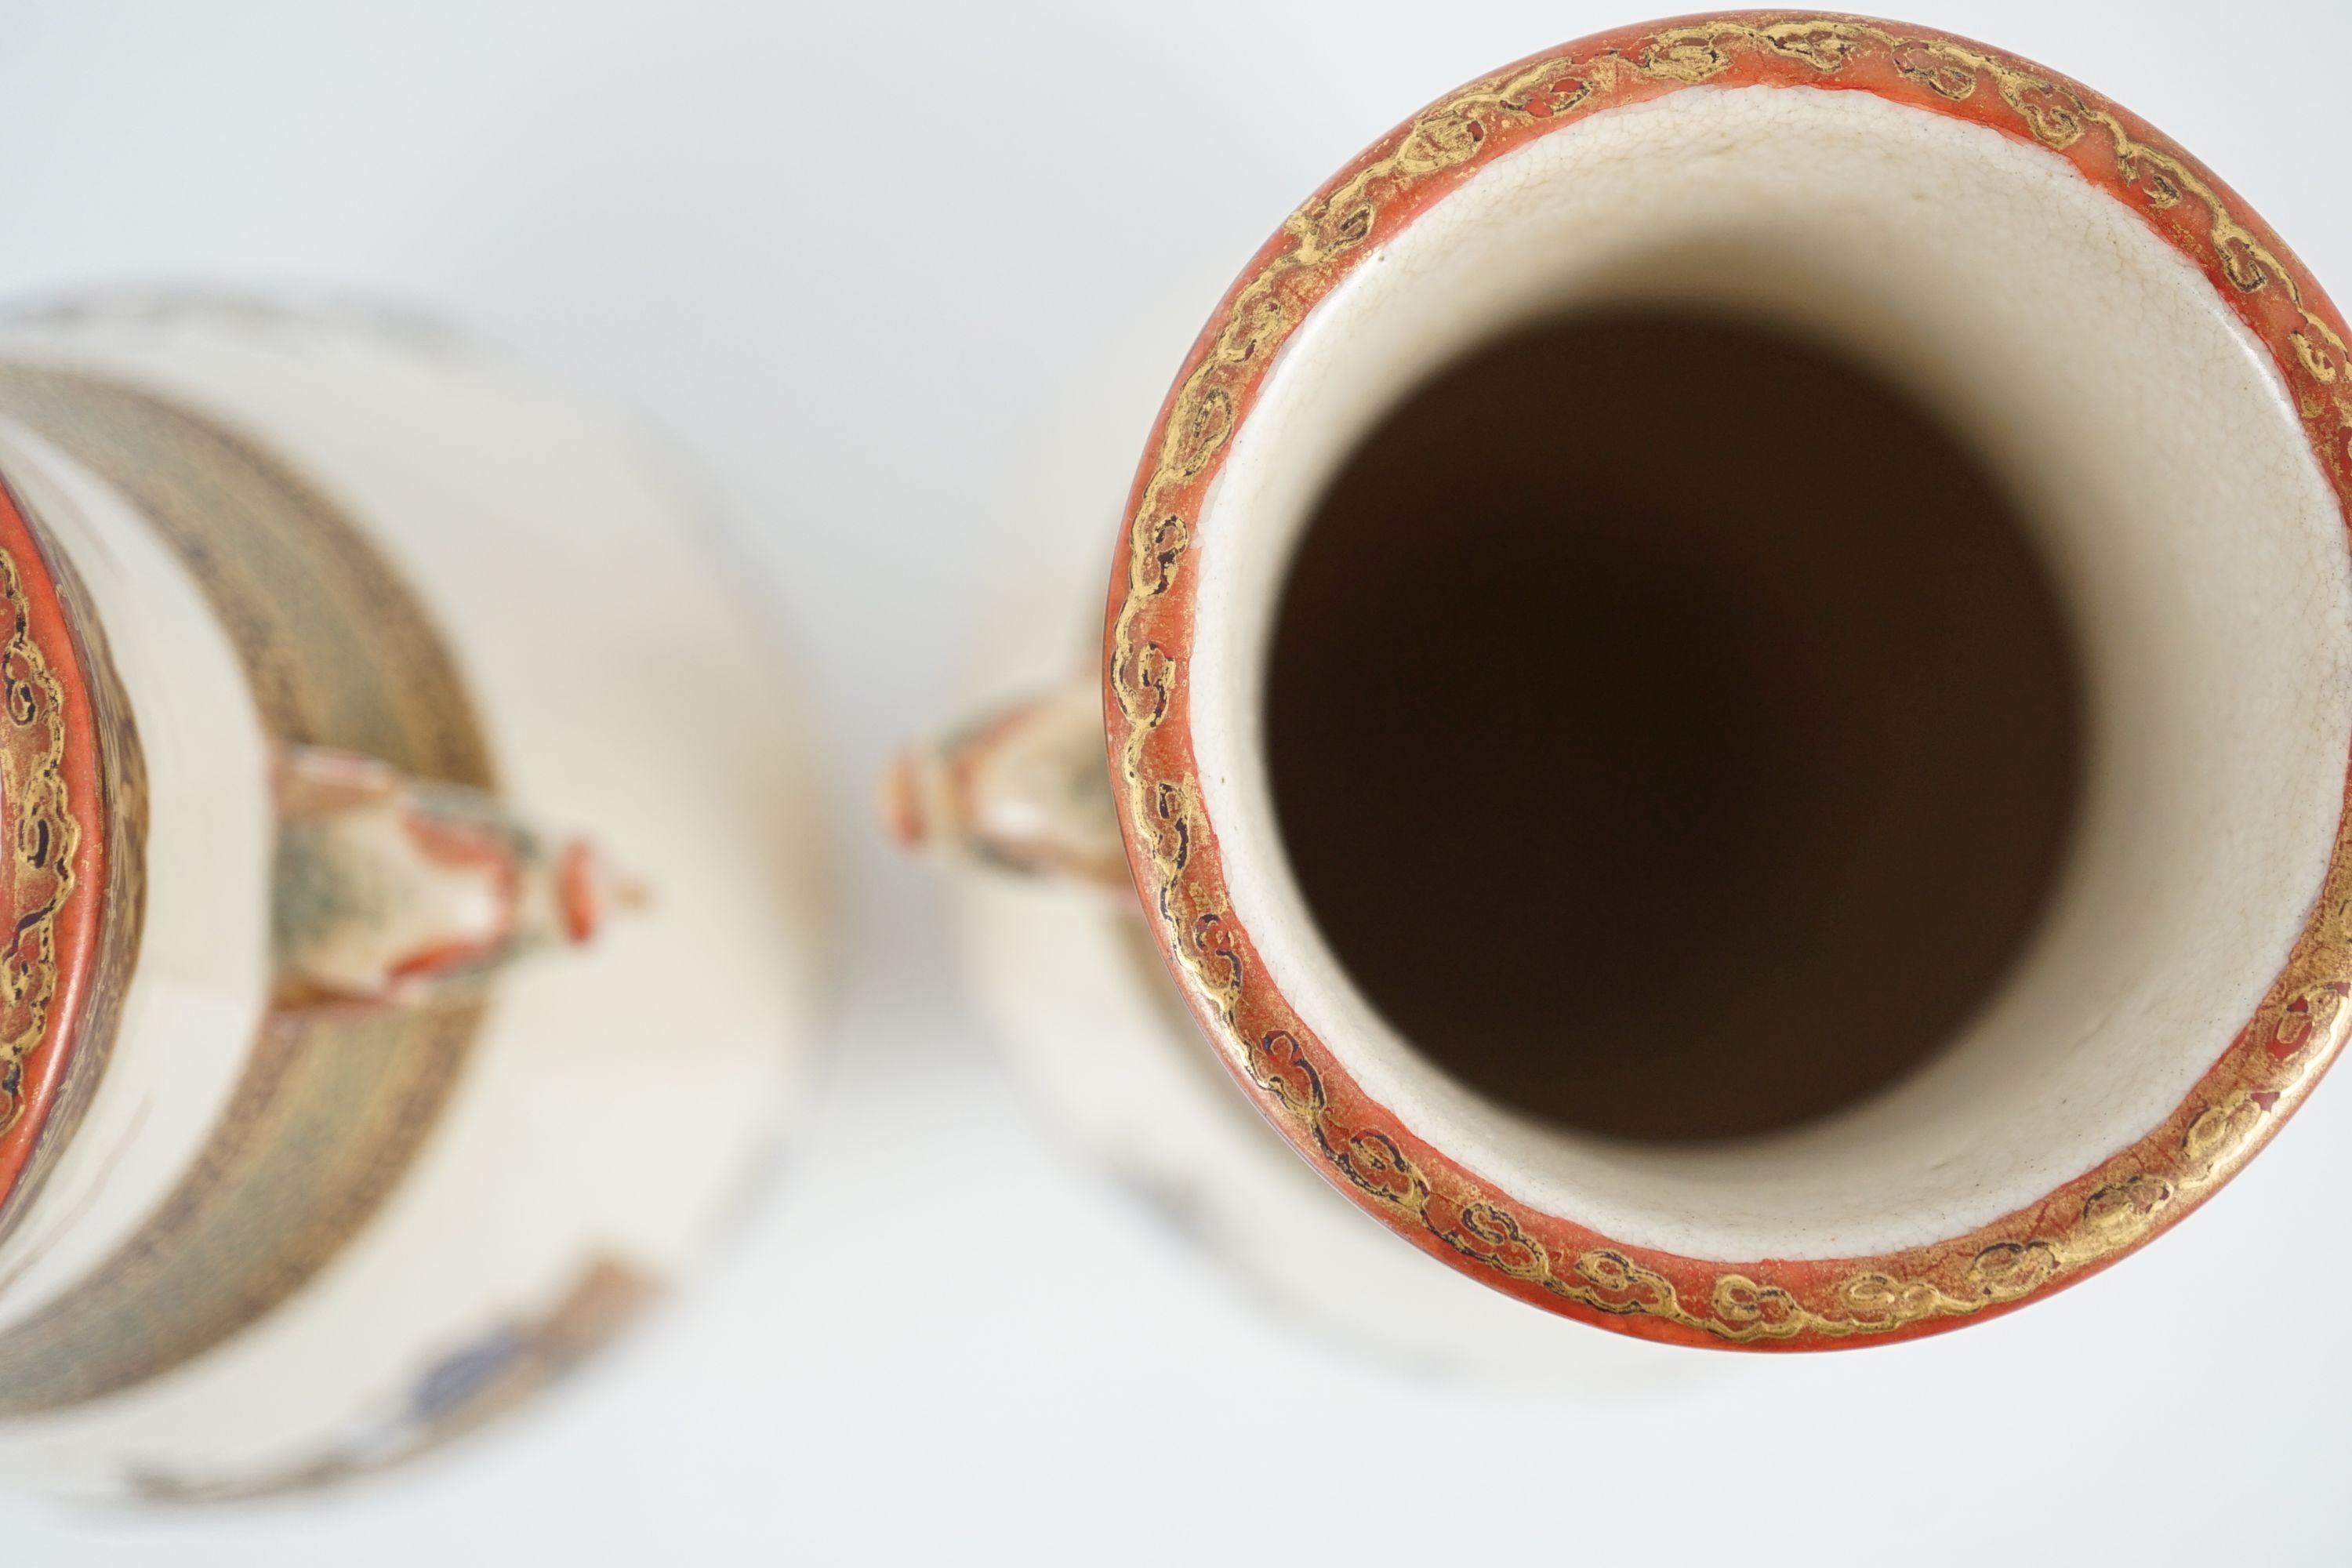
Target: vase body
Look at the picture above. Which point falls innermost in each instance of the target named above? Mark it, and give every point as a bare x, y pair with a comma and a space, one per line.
1679, 690
451, 941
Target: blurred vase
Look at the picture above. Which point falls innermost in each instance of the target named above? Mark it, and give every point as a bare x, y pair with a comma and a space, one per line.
1727, 688
410, 882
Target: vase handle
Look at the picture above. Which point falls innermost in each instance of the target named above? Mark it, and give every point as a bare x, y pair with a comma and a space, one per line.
1026, 789
387, 888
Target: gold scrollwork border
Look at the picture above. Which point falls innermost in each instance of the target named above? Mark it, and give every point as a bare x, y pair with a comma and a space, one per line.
1358, 1144
54, 860
41, 839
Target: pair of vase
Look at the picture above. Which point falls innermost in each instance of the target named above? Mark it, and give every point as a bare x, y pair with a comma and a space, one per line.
1725, 695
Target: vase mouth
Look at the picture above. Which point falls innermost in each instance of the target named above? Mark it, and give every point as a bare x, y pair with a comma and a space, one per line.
2147, 417
62, 747
1648, 784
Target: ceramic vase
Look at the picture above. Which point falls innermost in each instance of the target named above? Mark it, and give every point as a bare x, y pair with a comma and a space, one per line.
411, 885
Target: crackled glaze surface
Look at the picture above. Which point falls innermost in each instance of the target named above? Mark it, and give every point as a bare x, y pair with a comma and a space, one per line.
2135, 1148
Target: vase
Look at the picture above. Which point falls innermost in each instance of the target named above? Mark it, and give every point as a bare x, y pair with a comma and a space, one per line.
1726, 697
412, 890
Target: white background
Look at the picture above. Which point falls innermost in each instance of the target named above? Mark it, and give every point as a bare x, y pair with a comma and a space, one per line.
859, 261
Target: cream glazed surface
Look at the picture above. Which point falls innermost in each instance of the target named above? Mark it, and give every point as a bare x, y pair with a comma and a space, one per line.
1089, 1022
619, 1096
2156, 453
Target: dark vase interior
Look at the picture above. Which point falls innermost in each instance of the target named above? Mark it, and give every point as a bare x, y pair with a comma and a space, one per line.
1671, 725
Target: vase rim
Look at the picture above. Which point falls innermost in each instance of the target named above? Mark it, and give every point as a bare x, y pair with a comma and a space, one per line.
1203, 919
